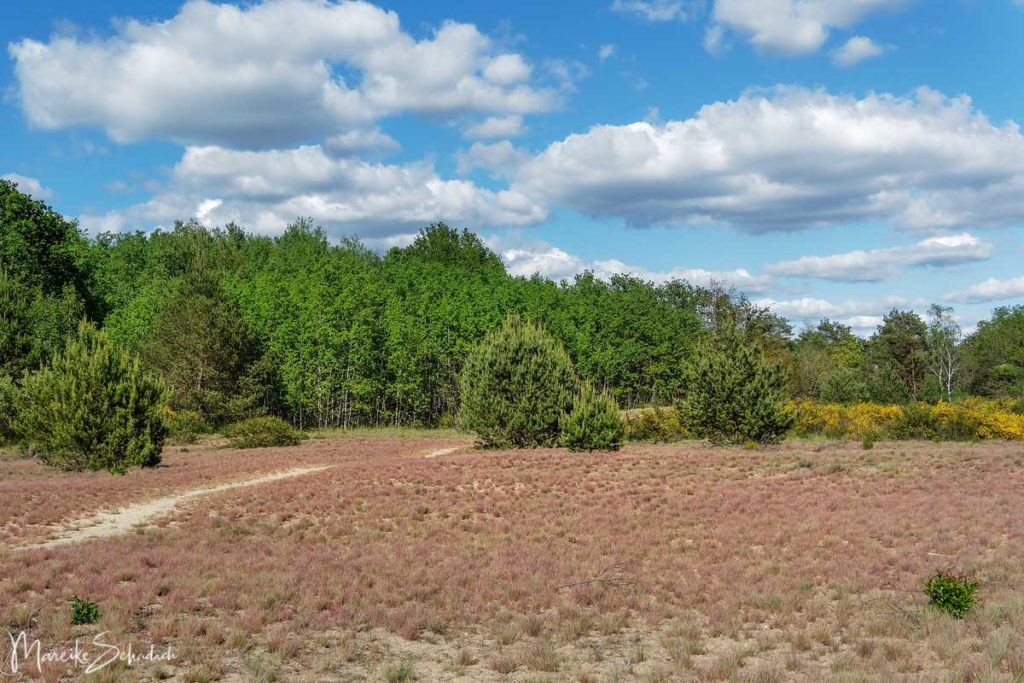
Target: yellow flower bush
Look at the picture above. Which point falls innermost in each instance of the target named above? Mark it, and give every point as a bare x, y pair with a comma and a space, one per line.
654, 424
973, 418
966, 420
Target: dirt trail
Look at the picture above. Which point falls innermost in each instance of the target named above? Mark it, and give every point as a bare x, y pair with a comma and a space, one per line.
441, 451
107, 524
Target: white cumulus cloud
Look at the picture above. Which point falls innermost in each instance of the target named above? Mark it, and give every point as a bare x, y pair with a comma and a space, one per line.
555, 263
264, 75
792, 27
502, 158
791, 159
863, 316
882, 264
266, 190
856, 50
992, 289
361, 141
496, 127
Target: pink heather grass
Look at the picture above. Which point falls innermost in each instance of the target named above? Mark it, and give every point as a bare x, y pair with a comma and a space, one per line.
823, 549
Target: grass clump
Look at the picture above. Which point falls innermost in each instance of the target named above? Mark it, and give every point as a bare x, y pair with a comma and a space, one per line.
402, 671
951, 593
262, 432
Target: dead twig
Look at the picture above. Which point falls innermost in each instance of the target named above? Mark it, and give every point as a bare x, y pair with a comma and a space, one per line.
611, 576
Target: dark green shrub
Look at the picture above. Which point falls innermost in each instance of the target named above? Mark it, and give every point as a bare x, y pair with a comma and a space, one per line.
659, 425
262, 432
516, 386
951, 593
844, 385
886, 387
92, 408
84, 612
914, 422
185, 426
734, 394
593, 424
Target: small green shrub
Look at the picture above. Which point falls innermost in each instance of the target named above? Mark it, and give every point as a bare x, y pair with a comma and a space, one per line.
659, 425
593, 424
185, 426
951, 593
516, 386
262, 432
83, 611
92, 408
868, 443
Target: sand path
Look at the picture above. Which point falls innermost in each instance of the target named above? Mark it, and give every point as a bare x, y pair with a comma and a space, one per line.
122, 521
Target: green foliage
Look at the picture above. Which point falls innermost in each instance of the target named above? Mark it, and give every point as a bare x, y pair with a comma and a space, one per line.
40, 247
16, 339
7, 414
659, 425
200, 345
594, 423
901, 344
92, 408
326, 333
951, 593
918, 421
886, 387
83, 612
262, 432
33, 324
185, 426
844, 385
516, 386
994, 354
734, 394
623, 334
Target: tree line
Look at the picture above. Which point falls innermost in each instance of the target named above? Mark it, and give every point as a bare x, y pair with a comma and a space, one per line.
329, 334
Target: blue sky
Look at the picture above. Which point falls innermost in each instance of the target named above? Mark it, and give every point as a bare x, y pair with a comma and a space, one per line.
829, 157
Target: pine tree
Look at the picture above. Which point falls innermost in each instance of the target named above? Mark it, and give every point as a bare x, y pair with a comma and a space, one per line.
516, 387
93, 407
594, 423
200, 345
734, 394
